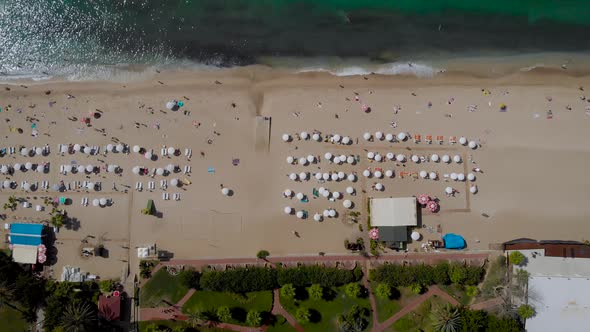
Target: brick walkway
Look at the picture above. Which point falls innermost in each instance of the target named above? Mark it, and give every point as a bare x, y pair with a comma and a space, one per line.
371, 295
432, 290
277, 309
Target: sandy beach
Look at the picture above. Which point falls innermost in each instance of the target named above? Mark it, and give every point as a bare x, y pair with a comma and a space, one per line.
531, 184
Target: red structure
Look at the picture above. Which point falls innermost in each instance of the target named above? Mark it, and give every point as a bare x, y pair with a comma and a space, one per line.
109, 307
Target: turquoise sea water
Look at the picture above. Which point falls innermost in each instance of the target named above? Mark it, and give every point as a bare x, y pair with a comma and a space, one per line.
73, 38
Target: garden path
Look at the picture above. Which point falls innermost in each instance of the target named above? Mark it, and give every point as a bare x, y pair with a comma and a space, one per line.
277, 309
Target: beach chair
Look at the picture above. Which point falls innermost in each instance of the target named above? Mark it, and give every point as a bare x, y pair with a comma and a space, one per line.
210, 170
163, 151
315, 192
417, 139
165, 184
440, 139
62, 169
429, 139
163, 196
190, 154
190, 169
453, 140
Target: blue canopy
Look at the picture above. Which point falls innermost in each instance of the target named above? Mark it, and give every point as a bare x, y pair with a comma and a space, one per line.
454, 241
26, 234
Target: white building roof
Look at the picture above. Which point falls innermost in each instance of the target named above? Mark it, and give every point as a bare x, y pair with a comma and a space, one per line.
394, 212
24, 254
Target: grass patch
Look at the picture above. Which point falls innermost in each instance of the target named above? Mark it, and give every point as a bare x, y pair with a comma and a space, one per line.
281, 325
12, 321
419, 319
496, 277
161, 287
145, 326
389, 307
326, 312
457, 292
210, 301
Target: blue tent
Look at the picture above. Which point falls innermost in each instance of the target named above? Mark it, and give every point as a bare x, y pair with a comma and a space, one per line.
26, 234
454, 241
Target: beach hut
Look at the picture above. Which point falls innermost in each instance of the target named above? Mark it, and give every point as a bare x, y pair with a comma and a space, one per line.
293, 176
148, 155
433, 176
120, 148
446, 159
388, 173
224, 191
379, 187
379, 135
473, 189
160, 171
389, 137
317, 217
367, 136
350, 190
110, 147
415, 158
303, 176
415, 236
87, 149
286, 137
300, 214
457, 158
95, 202
347, 203
81, 169
378, 174
366, 173
378, 158
390, 156
423, 174
334, 177
401, 158
463, 140
336, 138
350, 160
448, 190
345, 140
473, 145
136, 148
28, 165
304, 135
351, 177
326, 176
461, 177
434, 158
310, 158
454, 176
89, 168
102, 201
332, 213
171, 150
316, 137
303, 161
370, 155
135, 170
402, 136
471, 177
328, 156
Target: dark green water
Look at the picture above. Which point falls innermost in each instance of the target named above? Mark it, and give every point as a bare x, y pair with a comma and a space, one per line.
65, 36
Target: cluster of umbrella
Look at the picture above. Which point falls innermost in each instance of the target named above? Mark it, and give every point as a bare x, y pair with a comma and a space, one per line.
388, 137
116, 148
41, 253
304, 135
339, 159
378, 174
26, 152
461, 177
28, 166
139, 170
472, 189
472, 144
430, 203
102, 202
331, 176
226, 191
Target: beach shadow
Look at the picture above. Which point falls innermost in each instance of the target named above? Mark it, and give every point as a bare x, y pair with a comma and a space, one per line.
73, 224
418, 216
314, 316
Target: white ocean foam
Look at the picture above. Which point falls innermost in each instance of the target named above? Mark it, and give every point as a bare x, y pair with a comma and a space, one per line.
396, 68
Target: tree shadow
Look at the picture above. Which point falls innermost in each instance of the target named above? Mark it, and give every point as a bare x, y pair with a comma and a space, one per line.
239, 314
72, 224
314, 316
329, 294
395, 294
301, 294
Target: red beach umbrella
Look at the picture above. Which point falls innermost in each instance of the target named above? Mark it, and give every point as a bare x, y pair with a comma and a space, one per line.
423, 199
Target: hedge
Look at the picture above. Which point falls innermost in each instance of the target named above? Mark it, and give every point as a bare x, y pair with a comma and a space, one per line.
325, 276
397, 275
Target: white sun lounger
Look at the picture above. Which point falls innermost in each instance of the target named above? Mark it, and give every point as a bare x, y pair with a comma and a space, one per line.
163, 151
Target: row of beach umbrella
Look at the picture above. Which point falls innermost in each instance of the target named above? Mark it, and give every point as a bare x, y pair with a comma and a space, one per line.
332, 176
415, 158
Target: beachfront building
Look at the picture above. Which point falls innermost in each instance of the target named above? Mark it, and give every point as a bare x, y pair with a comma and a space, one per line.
26, 243
393, 216
558, 284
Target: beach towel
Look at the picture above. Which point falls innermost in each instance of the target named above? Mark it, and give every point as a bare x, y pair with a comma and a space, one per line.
211, 170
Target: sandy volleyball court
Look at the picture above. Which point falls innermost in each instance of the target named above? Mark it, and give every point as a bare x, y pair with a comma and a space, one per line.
532, 184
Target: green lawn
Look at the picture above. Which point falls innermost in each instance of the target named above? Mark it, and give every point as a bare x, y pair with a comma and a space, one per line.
281, 325
162, 286
327, 311
145, 326
419, 319
457, 292
12, 321
388, 307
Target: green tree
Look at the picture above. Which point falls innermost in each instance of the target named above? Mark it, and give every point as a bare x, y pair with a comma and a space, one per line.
106, 286
79, 317
516, 258
446, 319
473, 320
416, 288
526, 311
262, 254
196, 318
457, 273
383, 291
303, 315
57, 220
522, 276
224, 314
353, 290
471, 291
253, 318
189, 278
288, 291
316, 292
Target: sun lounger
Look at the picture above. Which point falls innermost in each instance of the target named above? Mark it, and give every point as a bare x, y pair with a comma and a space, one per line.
82, 201
151, 185
440, 139
453, 140
190, 154
185, 169
163, 151
417, 139
177, 197
429, 139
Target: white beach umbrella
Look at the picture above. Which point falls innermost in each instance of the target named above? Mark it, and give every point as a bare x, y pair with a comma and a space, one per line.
345, 140
136, 148
366, 173
90, 185
110, 147
326, 176
332, 213
299, 214
347, 203
341, 175
24, 152
473, 189
378, 158
350, 160
378, 174
336, 138
326, 193
38, 151
286, 137
471, 177
40, 168
89, 168
415, 158
299, 196
379, 135
304, 135
170, 105
334, 176
111, 168
328, 156
316, 137
317, 217
120, 148
303, 176
318, 176
326, 213
290, 160
224, 191
351, 177
103, 201
310, 158
415, 236
174, 182
379, 186
27, 186
457, 158
370, 155
148, 155
17, 166
87, 150
367, 136
434, 158
171, 150
336, 195
28, 165
423, 174
433, 176
302, 161
390, 155
77, 147
388, 173
135, 170
160, 171
293, 176
95, 202
350, 190
321, 190
287, 192
448, 190
389, 137
401, 158
7, 184
342, 158
81, 169
463, 140
402, 136
170, 168
461, 177
454, 176
446, 159
473, 145
4, 169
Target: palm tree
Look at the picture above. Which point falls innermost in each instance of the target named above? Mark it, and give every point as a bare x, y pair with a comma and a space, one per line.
196, 318
446, 319
79, 317
7, 295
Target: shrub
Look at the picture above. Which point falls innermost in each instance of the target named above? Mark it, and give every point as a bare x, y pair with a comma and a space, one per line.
316, 292
457, 273
145, 268
262, 254
288, 291
224, 314
241, 280
353, 290
399, 275
307, 275
355, 320
440, 274
383, 291
189, 278
416, 288
471, 291
253, 318
525, 311
516, 258
303, 315
106, 286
